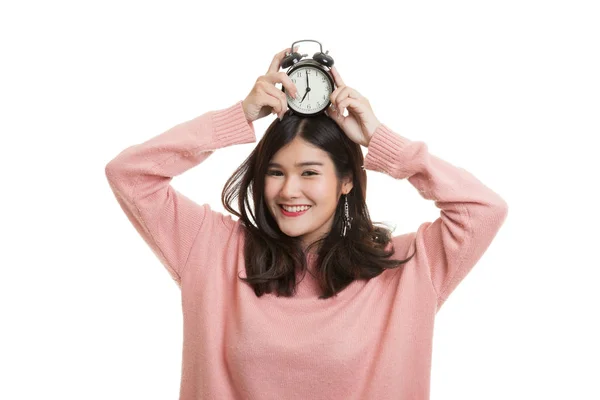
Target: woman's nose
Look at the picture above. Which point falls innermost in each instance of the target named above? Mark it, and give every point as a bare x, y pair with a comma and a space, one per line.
290, 188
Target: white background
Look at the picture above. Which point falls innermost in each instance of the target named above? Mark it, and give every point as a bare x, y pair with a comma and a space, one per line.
507, 90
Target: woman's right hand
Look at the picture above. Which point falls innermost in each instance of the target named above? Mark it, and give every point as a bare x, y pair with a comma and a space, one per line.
265, 98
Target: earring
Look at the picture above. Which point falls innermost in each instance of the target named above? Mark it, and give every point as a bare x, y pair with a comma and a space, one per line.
346, 220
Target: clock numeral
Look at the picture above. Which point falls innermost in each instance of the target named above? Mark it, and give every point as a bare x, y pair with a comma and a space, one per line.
294, 80
308, 106
323, 97
298, 74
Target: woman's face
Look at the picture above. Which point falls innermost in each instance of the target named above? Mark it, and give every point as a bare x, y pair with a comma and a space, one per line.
290, 183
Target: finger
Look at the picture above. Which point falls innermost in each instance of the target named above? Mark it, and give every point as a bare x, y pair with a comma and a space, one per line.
285, 80
329, 112
333, 97
347, 91
354, 104
276, 63
281, 106
339, 82
342, 93
272, 102
333, 113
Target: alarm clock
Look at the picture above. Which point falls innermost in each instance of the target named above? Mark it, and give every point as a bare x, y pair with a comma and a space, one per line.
313, 81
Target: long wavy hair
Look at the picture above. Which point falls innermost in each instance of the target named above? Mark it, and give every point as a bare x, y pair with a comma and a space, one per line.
272, 258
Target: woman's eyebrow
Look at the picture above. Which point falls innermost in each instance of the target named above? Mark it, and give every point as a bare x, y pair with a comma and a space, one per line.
302, 164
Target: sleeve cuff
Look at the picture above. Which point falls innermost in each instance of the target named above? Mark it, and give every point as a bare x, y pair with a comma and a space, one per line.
230, 126
389, 152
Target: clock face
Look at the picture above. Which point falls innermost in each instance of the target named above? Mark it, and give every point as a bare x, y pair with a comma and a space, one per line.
314, 88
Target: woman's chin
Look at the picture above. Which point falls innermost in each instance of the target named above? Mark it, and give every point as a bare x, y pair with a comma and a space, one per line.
291, 232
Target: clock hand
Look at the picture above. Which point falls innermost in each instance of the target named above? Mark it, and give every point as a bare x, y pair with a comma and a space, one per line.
305, 93
307, 88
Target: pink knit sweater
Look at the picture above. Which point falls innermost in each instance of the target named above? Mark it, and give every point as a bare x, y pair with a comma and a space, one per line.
372, 341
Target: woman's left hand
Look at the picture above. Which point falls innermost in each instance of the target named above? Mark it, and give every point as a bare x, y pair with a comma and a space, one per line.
361, 123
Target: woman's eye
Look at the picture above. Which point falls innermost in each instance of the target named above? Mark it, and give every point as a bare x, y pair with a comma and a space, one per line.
276, 173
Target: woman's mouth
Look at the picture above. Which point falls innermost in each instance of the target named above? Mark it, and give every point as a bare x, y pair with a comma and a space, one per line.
298, 213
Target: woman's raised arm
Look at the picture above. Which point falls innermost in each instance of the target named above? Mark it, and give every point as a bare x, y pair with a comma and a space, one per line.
470, 213
140, 178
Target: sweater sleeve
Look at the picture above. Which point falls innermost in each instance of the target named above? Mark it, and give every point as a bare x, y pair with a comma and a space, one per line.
470, 213
140, 178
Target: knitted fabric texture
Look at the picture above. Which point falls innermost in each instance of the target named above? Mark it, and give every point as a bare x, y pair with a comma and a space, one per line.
371, 341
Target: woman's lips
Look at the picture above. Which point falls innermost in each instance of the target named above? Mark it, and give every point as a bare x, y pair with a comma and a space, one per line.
293, 214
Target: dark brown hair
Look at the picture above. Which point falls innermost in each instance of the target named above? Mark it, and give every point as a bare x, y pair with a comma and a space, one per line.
272, 258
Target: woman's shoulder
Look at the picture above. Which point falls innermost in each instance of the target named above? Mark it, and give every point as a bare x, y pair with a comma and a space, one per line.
218, 226
219, 239
229, 222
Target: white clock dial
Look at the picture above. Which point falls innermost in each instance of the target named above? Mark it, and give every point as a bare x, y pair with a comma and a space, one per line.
313, 100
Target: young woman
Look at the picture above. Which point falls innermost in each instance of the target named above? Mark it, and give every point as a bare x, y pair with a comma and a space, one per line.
302, 296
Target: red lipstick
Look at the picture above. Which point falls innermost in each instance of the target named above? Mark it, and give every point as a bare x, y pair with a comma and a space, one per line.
292, 214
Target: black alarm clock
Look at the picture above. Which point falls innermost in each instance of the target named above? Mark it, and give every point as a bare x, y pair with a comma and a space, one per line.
313, 81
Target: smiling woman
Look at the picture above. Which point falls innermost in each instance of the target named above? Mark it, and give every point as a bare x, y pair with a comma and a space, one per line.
301, 176
318, 189
301, 207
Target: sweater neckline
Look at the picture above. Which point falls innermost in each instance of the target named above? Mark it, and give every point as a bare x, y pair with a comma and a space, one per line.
308, 302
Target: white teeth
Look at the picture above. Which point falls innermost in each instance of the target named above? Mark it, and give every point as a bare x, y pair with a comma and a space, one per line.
295, 209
